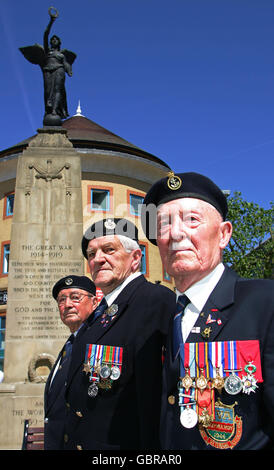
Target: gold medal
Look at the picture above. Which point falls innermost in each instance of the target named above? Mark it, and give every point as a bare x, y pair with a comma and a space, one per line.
201, 382
218, 382
187, 381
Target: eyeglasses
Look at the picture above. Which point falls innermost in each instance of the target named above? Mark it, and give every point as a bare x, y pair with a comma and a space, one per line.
75, 298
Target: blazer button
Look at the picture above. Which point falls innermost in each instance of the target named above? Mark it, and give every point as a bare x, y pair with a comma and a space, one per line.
78, 447
46, 420
67, 405
171, 399
79, 414
65, 438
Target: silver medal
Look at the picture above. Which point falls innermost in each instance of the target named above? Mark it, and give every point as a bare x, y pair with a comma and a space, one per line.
188, 418
115, 373
92, 390
233, 384
105, 372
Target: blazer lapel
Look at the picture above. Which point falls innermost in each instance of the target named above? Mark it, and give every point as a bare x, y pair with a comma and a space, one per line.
215, 312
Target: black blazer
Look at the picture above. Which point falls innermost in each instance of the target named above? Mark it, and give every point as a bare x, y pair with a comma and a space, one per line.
246, 312
127, 416
55, 406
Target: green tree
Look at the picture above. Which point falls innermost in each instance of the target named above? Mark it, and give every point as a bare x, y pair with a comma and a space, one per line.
250, 251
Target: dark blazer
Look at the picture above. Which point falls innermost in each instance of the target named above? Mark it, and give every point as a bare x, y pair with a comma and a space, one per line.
55, 406
127, 416
246, 312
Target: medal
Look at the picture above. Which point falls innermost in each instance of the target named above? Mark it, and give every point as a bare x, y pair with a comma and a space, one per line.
188, 417
115, 373
249, 381
104, 363
186, 381
218, 381
92, 390
104, 372
233, 383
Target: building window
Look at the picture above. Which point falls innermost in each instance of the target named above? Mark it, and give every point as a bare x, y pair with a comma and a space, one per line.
144, 261
135, 201
8, 205
2, 339
5, 254
100, 199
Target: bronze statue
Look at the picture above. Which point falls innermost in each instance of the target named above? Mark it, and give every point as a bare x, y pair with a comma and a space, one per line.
54, 63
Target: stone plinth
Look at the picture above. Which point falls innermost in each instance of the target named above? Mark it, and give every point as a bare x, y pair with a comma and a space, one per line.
46, 238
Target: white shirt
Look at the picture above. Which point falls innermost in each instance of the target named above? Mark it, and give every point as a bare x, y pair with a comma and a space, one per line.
114, 294
198, 295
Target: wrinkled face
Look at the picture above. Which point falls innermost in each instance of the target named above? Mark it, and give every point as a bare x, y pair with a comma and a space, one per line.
75, 306
109, 263
190, 236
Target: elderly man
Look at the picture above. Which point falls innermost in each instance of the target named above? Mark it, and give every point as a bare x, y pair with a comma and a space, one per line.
114, 382
76, 300
218, 372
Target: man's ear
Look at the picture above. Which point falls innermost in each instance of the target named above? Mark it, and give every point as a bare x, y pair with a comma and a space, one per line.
226, 232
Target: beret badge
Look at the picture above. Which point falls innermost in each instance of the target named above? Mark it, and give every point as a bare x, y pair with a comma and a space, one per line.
68, 281
110, 224
173, 181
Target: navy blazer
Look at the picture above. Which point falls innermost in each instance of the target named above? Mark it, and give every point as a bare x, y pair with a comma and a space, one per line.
55, 406
245, 310
127, 416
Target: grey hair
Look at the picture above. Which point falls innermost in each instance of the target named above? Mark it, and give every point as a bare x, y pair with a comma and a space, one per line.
129, 245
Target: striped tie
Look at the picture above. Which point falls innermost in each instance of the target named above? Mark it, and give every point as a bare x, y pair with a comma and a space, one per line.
182, 302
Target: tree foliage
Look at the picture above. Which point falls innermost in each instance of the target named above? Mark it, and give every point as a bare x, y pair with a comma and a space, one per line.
250, 251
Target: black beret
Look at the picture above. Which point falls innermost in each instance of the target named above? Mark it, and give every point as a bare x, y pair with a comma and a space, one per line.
177, 187
109, 226
70, 281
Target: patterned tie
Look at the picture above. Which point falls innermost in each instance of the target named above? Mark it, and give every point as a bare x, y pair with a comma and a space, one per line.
182, 302
100, 309
68, 347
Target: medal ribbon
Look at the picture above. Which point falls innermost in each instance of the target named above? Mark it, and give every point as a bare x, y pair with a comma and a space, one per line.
186, 357
249, 351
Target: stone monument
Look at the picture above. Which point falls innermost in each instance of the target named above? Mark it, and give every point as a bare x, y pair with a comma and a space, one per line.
46, 235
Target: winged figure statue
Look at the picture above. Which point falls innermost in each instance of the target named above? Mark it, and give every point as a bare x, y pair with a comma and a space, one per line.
55, 63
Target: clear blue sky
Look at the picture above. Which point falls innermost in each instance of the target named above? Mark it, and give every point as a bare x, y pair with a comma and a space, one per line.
190, 81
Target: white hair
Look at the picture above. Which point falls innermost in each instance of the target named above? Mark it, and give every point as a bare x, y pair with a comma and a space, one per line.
129, 245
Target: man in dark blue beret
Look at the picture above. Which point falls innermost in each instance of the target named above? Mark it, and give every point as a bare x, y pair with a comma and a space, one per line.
76, 299
114, 382
218, 370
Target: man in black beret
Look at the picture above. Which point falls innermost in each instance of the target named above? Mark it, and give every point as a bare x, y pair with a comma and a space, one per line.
114, 382
76, 300
218, 370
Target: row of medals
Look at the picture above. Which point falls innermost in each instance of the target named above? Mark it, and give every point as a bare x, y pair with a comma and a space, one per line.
105, 376
232, 385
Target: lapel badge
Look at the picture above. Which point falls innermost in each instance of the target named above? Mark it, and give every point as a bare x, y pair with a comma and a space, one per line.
210, 319
206, 332
112, 310
173, 182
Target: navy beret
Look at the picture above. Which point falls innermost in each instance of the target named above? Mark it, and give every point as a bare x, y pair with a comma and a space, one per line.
179, 186
70, 281
104, 227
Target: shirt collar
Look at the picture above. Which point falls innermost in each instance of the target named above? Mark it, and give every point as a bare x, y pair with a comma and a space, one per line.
201, 290
114, 294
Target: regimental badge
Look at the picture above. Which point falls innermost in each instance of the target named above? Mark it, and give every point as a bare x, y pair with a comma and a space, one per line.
112, 310
110, 224
173, 182
225, 431
68, 281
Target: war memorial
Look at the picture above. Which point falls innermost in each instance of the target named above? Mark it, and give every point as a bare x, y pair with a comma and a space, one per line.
56, 176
